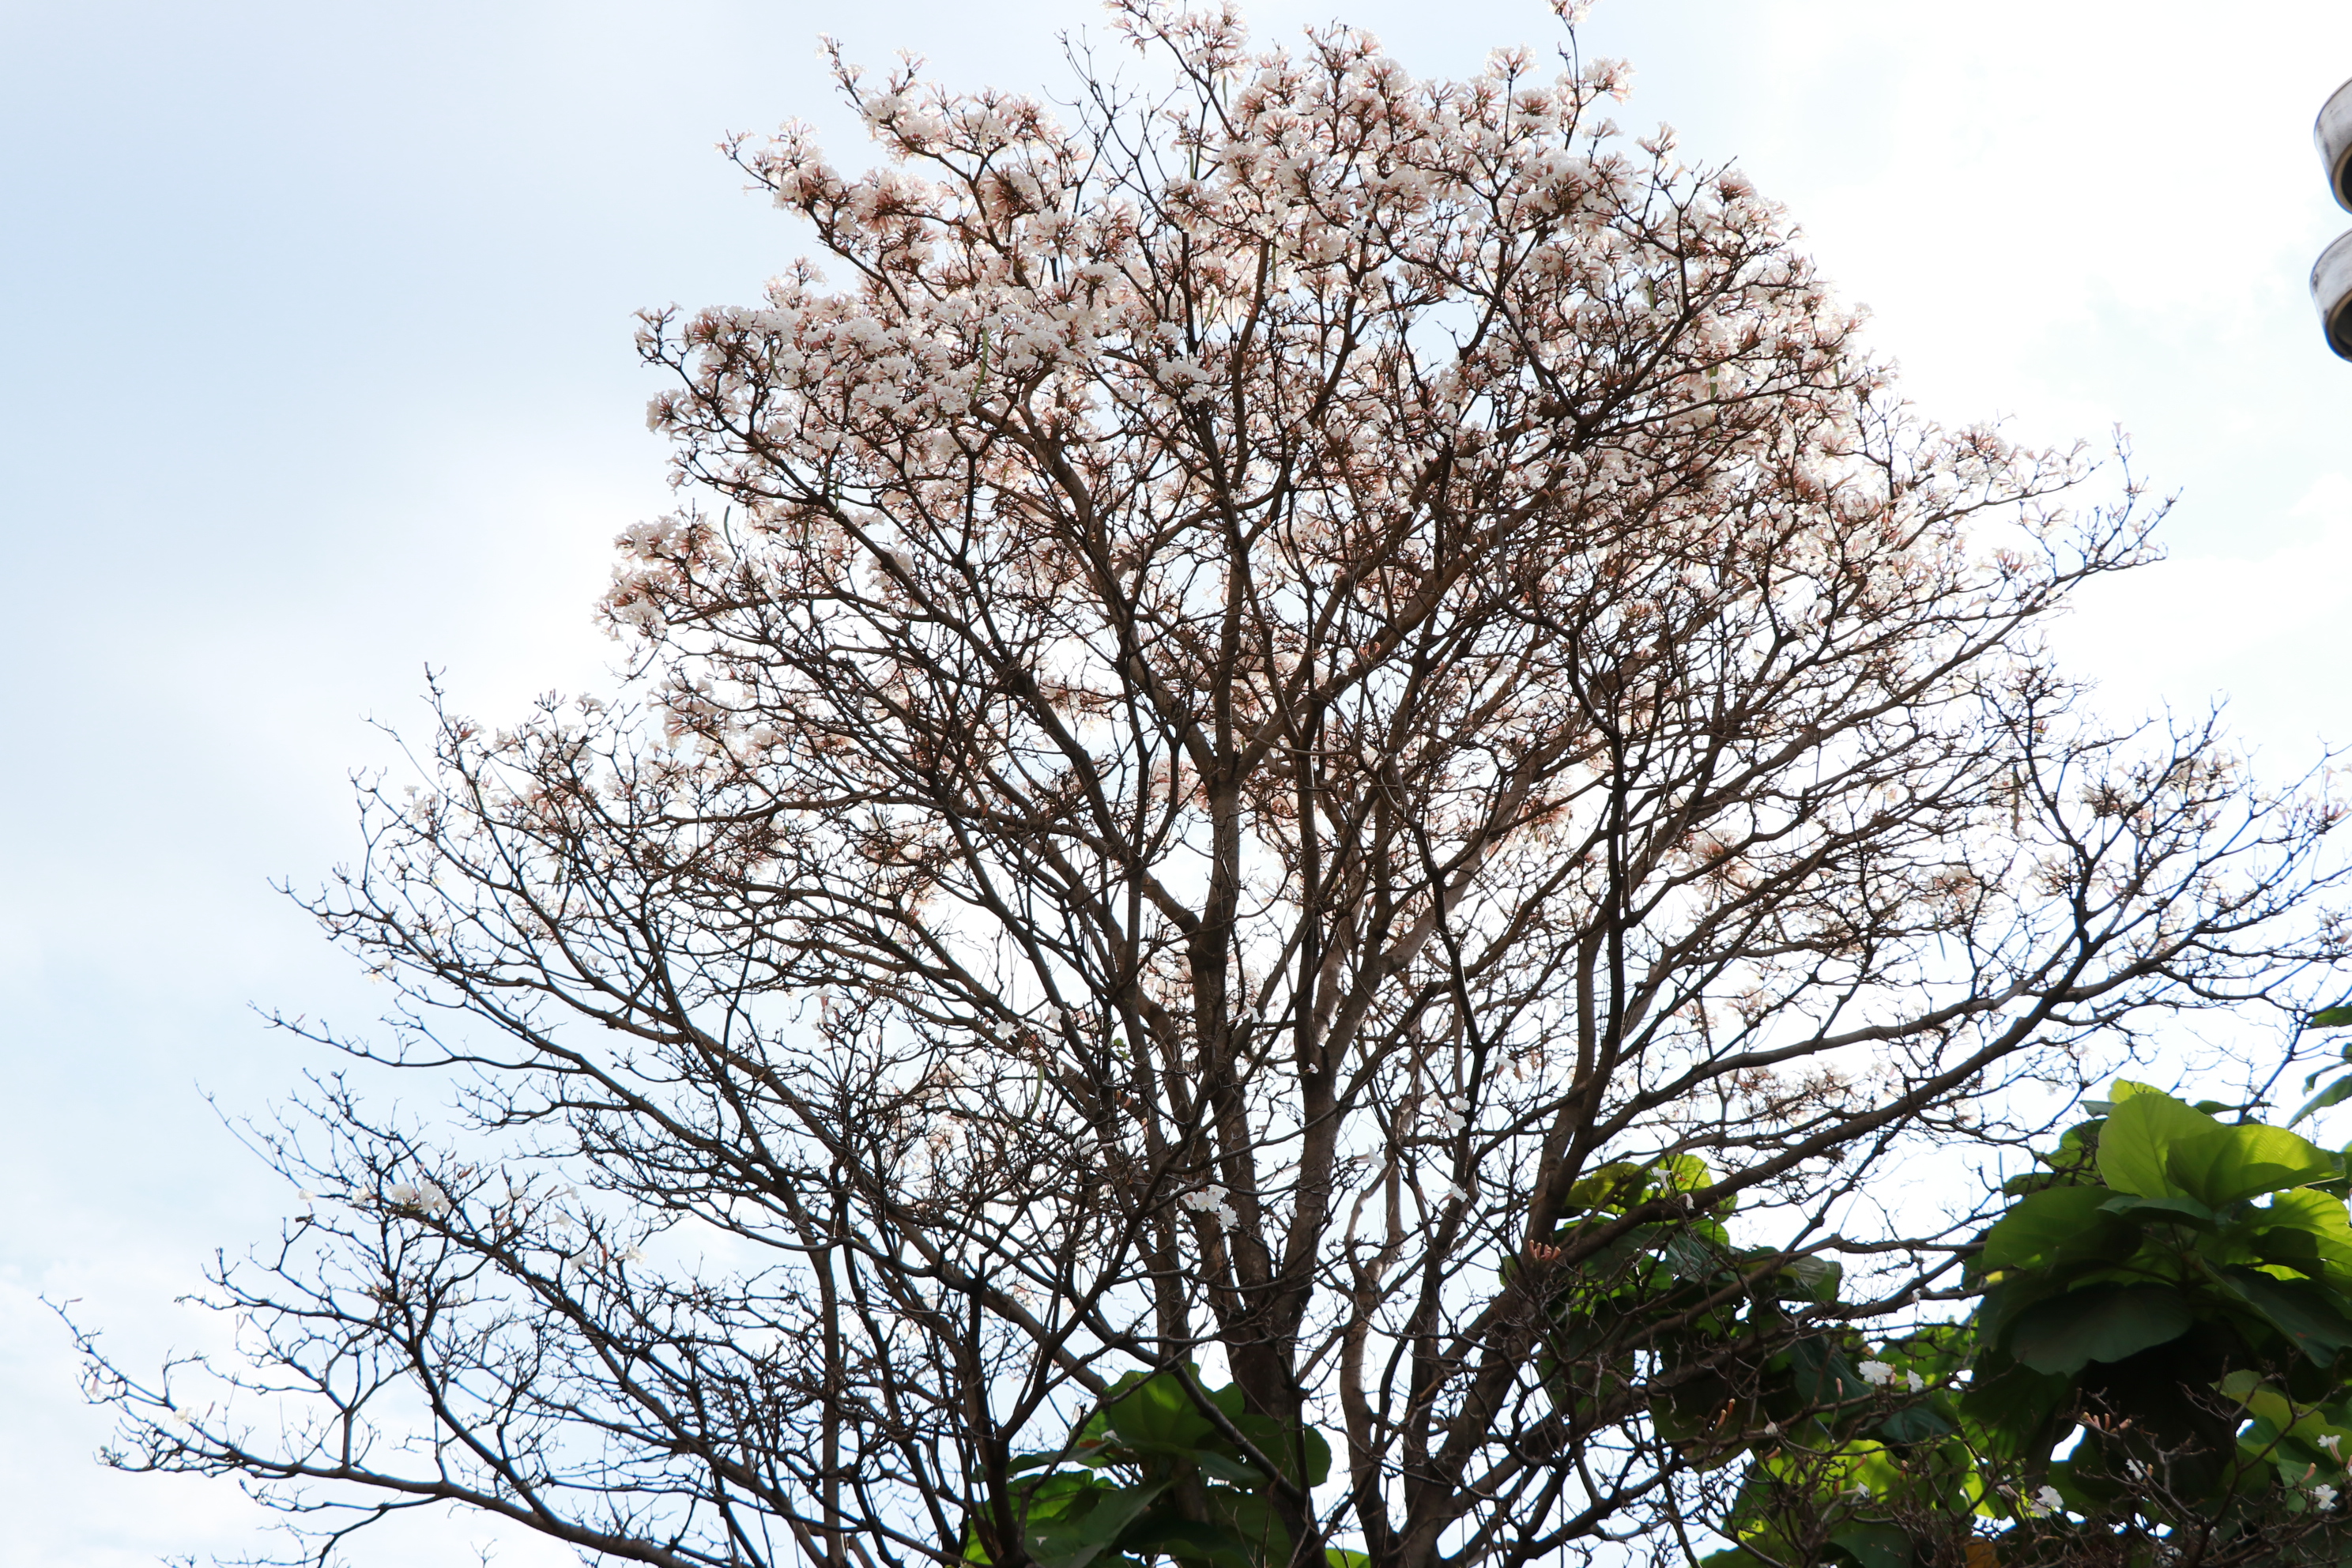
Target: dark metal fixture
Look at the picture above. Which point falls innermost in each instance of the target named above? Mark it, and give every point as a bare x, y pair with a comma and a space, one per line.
2331, 290
2331, 280
2334, 134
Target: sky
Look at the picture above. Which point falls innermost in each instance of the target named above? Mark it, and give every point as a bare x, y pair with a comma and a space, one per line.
317, 372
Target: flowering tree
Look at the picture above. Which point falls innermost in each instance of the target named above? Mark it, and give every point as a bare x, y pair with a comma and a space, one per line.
1301, 721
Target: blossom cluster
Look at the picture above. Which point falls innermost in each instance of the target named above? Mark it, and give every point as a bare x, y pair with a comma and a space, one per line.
1879, 1374
1212, 1200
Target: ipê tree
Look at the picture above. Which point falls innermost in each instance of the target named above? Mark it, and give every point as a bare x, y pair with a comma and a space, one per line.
1290, 708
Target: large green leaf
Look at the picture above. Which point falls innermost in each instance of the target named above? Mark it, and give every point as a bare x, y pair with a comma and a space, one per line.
1158, 1413
2137, 1141
1874, 1545
2282, 1417
2317, 1216
1226, 1468
2017, 1290
2128, 1207
1250, 1515
2230, 1164
1085, 1523
1190, 1540
1688, 1258
2016, 1406
1914, 1423
1281, 1445
2043, 1225
1821, 1375
2101, 1322
1616, 1185
2306, 1313
1808, 1280
1064, 1496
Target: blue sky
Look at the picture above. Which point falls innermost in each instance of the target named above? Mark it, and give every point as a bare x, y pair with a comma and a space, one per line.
317, 369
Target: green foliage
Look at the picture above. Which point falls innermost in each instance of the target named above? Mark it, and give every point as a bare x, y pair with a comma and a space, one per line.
1149, 1475
2171, 1294
1672, 1317
2338, 1092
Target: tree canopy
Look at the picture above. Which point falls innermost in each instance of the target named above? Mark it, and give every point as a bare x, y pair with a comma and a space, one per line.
1319, 808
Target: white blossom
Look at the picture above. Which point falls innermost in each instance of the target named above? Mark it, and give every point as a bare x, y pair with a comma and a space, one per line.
1212, 1200
418, 1197
1876, 1373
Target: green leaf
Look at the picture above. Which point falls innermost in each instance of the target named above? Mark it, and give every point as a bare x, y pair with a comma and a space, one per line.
2015, 1291
1158, 1411
1622, 1184
1250, 1516
2336, 1093
1821, 1375
1281, 1445
2331, 1017
1914, 1423
2101, 1322
2128, 1207
1062, 1497
2230, 1164
1318, 1456
1689, 1258
1810, 1279
2303, 1311
1342, 1557
1682, 1173
1076, 1538
2262, 1400
2276, 1419
1615, 1185
2137, 1139
1874, 1545
1226, 1467
2017, 1407
1191, 1540
2039, 1226
2305, 1212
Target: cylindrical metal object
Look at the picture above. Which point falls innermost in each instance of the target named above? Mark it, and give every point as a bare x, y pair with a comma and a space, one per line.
2333, 132
2331, 290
